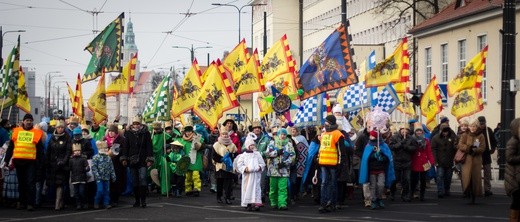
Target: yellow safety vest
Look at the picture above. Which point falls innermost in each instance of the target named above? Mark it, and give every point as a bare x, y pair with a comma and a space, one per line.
328, 153
25, 143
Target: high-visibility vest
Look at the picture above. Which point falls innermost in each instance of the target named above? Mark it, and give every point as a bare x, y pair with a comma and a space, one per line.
328, 153
25, 143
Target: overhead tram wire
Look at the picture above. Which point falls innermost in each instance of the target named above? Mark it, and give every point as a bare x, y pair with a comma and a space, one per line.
60, 38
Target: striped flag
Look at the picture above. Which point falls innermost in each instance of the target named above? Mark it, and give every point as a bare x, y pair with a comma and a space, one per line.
77, 105
124, 82
22, 99
158, 105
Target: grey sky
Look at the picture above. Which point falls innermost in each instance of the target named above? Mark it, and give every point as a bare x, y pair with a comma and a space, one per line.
56, 32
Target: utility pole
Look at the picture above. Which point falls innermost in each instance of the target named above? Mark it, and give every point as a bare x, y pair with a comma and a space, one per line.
507, 113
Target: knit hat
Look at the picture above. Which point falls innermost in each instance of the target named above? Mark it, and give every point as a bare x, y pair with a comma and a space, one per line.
281, 131
43, 126
331, 119
157, 125
167, 125
250, 140
76, 147
373, 133
76, 131
113, 128
28, 116
136, 119
337, 109
102, 146
444, 120
188, 129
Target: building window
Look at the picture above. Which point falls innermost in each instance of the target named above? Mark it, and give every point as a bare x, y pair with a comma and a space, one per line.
462, 53
444, 62
482, 42
428, 58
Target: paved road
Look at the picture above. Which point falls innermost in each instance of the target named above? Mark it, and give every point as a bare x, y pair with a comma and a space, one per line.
205, 208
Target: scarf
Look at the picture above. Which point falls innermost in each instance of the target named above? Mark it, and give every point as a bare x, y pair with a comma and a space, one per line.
56, 135
280, 143
110, 140
224, 141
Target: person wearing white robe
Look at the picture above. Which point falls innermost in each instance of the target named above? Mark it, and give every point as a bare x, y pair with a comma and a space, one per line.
251, 164
342, 121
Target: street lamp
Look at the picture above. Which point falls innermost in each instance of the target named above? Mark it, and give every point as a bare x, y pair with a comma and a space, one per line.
239, 11
57, 87
48, 80
192, 50
2, 42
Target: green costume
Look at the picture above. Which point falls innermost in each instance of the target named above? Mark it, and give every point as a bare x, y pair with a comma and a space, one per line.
98, 134
160, 161
197, 166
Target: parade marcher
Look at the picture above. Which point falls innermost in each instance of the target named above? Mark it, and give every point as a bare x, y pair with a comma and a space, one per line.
138, 155
444, 147
261, 142
209, 167
103, 171
232, 128
86, 145
224, 152
4, 134
280, 155
332, 141
97, 131
472, 143
79, 167
116, 143
403, 147
422, 161
491, 146
192, 143
437, 129
71, 125
251, 164
512, 172
26, 151
376, 168
159, 140
57, 162
174, 154
302, 149
359, 148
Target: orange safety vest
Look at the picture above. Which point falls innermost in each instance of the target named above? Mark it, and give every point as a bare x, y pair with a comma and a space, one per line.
328, 153
25, 143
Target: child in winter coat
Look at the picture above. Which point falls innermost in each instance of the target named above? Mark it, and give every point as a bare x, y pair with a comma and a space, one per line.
103, 171
280, 155
173, 156
79, 167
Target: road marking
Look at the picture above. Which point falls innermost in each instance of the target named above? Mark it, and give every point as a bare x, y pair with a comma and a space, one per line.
120, 219
232, 218
61, 215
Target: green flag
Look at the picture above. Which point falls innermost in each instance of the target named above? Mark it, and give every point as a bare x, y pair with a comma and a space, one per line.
106, 50
158, 106
10, 77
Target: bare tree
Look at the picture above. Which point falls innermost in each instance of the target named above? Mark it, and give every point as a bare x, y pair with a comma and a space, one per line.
423, 9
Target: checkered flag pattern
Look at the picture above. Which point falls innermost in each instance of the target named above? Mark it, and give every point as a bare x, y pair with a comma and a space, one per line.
157, 107
387, 99
355, 97
311, 112
352, 114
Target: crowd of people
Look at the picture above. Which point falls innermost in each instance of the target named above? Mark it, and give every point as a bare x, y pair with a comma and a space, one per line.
91, 165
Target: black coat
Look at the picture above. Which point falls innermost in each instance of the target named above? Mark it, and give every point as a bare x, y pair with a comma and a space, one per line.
57, 159
86, 147
486, 156
402, 150
120, 184
444, 148
78, 168
138, 143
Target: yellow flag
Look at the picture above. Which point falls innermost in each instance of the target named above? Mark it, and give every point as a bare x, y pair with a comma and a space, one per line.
285, 83
22, 100
216, 96
77, 106
252, 79
431, 123
71, 93
98, 102
471, 75
406, 106
236, 61
394, 69
124, 82
431, 103
278, 60
188, 92
467, 102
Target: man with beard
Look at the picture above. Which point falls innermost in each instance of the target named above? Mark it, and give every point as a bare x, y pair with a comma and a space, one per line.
402, 146
26, 150
138, 154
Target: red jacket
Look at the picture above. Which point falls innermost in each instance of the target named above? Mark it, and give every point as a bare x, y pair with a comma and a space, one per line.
421, 157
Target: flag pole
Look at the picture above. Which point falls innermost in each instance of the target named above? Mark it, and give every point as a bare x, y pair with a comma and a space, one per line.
164, 161
9, 114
